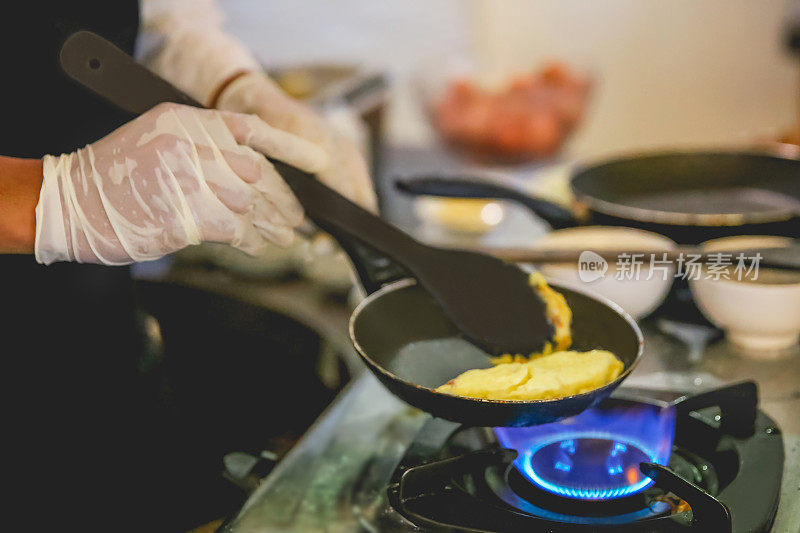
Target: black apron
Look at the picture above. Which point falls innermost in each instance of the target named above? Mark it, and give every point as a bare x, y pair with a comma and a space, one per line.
81, 441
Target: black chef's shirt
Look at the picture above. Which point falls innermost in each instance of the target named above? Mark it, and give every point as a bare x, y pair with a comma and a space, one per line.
78, 445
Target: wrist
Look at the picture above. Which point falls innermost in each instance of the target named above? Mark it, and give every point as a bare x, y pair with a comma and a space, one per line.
227, 82
20, 183
251, 92
198, 60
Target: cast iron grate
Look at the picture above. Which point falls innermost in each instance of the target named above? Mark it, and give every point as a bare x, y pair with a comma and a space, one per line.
724, 474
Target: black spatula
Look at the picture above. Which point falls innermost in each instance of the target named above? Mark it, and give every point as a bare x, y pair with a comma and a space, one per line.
489, 300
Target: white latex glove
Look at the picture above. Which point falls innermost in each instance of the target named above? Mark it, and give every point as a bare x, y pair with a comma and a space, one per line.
346, 171
184, 42
175, 176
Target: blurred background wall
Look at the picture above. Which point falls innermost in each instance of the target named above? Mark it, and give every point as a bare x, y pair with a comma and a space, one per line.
668, 73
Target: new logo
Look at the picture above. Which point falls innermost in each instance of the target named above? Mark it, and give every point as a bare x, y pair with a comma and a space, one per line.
591, 266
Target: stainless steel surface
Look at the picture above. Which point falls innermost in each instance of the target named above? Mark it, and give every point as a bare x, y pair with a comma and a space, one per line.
335, 478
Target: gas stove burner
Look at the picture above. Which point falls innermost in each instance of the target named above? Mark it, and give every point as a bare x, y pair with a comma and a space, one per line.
588, 467
710, 462
595, 455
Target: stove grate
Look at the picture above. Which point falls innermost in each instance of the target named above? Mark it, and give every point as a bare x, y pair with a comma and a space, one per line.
724, 475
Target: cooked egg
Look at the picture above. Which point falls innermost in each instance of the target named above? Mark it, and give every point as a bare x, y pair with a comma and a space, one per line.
543, 377
554, 373
557, 310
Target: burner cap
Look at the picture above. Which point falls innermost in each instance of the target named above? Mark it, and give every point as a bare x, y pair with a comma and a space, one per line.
587, 466
596, 454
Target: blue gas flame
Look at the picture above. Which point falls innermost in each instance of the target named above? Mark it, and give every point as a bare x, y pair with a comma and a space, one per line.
596, 454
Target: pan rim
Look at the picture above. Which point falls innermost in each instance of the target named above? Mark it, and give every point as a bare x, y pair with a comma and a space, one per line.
675, 218
409, 282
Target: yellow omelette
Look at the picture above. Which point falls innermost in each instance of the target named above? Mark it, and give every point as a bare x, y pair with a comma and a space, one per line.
554, 373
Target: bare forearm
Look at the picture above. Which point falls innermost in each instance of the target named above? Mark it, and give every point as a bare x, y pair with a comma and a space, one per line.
20, 183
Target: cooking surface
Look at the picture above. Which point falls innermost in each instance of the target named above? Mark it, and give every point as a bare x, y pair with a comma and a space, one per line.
734, 200
335, 478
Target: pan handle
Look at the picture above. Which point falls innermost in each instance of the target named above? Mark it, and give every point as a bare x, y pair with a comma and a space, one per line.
109, 72
360, 233
558, 217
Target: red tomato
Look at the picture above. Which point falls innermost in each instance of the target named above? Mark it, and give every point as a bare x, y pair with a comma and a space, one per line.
530, 117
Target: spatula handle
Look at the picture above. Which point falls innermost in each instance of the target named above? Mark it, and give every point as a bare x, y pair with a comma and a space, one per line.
99, 65
340, 217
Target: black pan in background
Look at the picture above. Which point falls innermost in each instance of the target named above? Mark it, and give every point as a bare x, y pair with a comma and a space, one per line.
407, 342
690, 197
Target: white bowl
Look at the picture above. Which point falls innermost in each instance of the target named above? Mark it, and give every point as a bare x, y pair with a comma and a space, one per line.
638, 297
761, 315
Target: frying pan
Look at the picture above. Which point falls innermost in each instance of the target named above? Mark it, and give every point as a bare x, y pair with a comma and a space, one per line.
408, 343
399, 330
690, 197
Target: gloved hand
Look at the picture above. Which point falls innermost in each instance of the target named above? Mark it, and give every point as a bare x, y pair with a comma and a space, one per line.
346, 171
175, 176
184, 42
